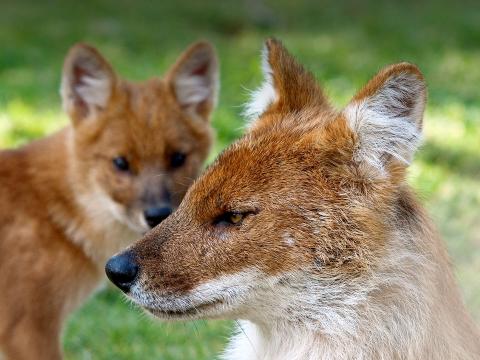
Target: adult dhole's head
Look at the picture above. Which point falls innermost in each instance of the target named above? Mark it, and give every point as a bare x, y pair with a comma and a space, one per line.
295, 214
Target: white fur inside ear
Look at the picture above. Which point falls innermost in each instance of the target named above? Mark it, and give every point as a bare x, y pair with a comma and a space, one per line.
264, 96
196, 81
388, 124
191, 90
94, 91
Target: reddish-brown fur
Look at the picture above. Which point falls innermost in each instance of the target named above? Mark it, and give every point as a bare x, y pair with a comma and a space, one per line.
54, 236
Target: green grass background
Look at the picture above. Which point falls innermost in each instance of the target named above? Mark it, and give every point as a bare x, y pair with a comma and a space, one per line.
343, 42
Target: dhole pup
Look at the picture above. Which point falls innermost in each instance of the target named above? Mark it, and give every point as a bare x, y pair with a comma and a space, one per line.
73, 199
306, 229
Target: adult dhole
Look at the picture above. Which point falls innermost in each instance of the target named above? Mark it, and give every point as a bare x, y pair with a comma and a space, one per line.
306, 229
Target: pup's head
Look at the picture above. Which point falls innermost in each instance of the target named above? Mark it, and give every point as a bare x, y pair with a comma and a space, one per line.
290, 216
138, 146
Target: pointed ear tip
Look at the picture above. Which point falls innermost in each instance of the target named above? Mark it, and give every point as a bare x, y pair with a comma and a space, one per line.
405, 68
80, 52
272, 50
272, 40
268, 42
203, 46
272, 43
203, 43
81, 48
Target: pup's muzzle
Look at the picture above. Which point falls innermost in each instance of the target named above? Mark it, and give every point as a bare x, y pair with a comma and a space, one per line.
154, 216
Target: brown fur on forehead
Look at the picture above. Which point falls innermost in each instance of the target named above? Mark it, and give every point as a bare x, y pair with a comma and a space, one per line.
295, 147
300, 122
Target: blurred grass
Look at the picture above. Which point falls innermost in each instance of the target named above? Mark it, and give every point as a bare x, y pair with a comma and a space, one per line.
343, 42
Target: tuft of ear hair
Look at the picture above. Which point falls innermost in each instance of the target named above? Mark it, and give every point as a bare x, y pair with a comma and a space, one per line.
194, 79
287, 86
87, 82
386, 117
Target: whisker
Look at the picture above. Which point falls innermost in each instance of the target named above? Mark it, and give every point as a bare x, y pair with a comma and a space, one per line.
196, 328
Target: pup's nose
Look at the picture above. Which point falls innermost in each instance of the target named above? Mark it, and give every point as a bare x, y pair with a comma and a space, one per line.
156, 215
122, 270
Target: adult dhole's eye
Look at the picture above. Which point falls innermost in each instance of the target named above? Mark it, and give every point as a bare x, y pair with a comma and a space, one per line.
235, 218
177, 159
121, 163
230, 218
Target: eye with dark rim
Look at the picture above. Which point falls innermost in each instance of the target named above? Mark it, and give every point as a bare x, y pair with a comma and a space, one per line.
177, 159
121, 163
232, 218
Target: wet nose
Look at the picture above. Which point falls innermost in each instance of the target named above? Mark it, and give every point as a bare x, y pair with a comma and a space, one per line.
156, 215
122, 270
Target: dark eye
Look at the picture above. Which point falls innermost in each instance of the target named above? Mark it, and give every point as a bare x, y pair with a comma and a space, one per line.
177, 159
121, 163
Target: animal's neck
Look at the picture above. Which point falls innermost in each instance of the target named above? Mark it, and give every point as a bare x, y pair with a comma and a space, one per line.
279, 342
406, 307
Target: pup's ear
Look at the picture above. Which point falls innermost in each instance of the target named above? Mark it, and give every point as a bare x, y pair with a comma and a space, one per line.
386, 116
87, 82
194, 79
287, 86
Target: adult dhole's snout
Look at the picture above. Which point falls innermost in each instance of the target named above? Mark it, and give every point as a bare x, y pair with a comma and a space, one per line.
122, 270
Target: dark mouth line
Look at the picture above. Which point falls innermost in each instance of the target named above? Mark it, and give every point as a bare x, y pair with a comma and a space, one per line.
190, 311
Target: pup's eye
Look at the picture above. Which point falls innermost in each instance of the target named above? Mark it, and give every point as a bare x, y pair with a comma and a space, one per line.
177, 159
121, 163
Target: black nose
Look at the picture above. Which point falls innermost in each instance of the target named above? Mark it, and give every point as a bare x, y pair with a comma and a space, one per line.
122, 270
155, 216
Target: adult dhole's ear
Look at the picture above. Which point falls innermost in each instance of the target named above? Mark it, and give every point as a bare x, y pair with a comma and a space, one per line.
287, 86
87, 82
194, 79
386, 117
